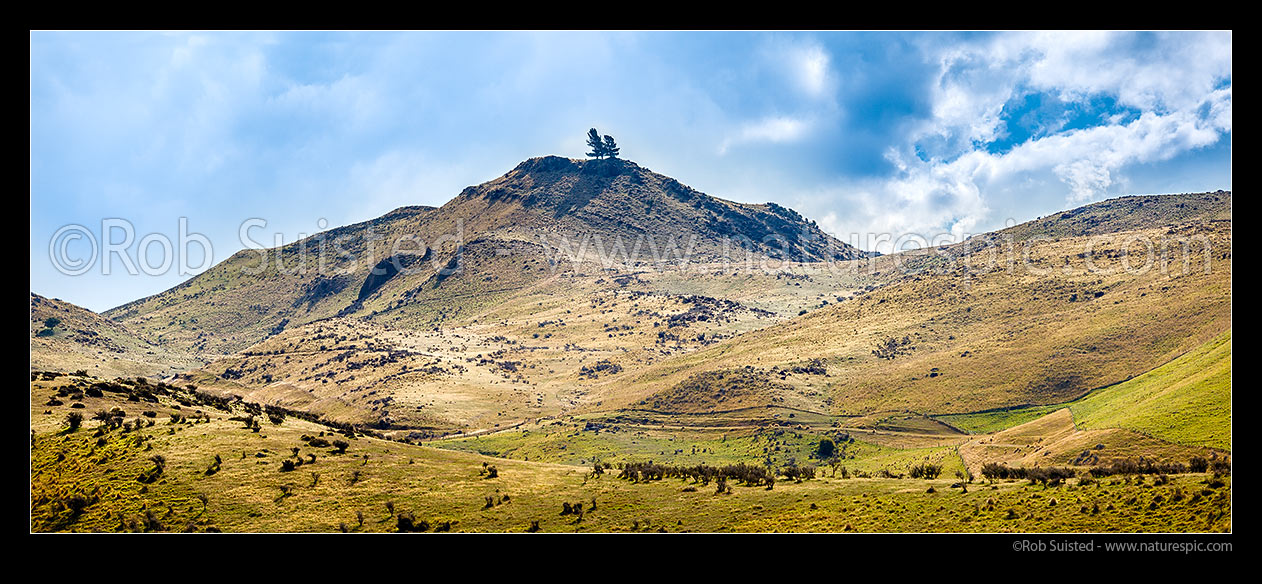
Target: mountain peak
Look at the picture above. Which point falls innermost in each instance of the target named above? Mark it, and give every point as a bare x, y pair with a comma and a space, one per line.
607, 167
617, 197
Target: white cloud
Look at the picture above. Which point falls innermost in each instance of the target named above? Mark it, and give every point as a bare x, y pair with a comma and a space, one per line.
1174, 79
975, 80
1175, 73
967, 98
933, 197
804, 67
801, 65
774, 129
810, 65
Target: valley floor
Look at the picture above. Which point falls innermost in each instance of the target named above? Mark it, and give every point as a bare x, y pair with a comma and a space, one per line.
177, 464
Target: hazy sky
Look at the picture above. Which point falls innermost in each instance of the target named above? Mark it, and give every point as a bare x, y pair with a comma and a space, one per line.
863, 132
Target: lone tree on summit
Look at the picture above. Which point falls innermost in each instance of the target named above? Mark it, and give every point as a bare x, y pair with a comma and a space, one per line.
611, 147
601, 148
594, 142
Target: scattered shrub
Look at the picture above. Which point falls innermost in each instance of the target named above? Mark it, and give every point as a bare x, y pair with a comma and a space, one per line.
747, 474
798, 473
151, 475
826, 448
214, 466
925, 471
407, 523
1138, 467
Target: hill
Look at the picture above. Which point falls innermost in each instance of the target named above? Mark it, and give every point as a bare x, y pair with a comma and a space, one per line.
1054, 440
536, 352
940, 332
65, 337
1130, 213
547, 216
954, 330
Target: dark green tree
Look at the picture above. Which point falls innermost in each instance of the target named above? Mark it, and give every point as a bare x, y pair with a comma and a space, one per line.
594, 142
611, 147
826, 448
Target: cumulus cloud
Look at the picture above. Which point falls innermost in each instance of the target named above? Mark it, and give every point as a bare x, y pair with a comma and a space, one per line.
934, 203
930, 198
1150, 71
1179, 85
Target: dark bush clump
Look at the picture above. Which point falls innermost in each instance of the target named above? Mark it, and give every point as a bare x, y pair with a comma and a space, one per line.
407, 523
995, 470
798, 473
1049, 475
826, 448
1138, 467
151, 475
925, 470
214, 466
747, 474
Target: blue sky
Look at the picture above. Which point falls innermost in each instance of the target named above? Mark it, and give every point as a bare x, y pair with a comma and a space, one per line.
868, 132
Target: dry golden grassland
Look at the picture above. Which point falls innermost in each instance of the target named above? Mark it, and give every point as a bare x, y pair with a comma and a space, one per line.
974, 339
216, 474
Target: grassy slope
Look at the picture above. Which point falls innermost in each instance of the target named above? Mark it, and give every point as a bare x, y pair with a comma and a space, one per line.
444, 371
994, 421
980, 338
245, 298
1054, 440
1186, 401
85, 340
